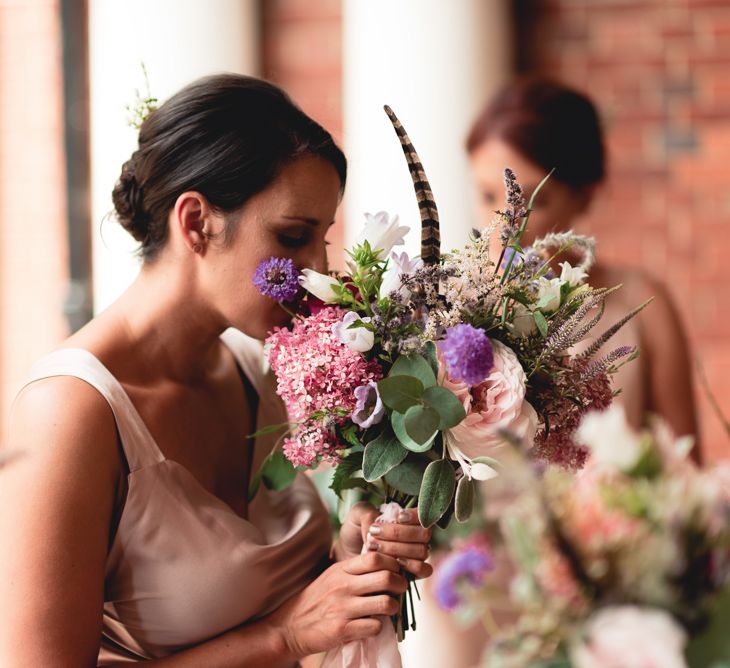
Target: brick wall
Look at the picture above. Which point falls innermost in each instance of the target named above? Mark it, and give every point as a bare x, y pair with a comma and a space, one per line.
33, 250
660, 73
302, 53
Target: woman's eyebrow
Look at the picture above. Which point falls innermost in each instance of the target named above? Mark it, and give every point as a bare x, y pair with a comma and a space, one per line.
309, 221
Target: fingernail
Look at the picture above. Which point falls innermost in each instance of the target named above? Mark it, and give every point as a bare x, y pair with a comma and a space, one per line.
373, 547
374, 530
404, 516
402, 561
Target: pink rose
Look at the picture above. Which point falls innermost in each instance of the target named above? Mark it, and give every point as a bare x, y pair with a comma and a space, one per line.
495, 404
630, 637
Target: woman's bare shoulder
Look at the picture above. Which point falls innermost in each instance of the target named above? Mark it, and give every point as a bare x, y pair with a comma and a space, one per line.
63, 414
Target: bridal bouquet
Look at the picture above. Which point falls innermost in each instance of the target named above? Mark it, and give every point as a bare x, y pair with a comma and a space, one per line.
406, 373
625, 564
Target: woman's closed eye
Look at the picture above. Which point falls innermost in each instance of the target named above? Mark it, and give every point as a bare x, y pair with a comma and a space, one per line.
294, 240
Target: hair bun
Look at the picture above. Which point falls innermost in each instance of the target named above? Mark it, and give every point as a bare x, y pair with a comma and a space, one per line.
128, 202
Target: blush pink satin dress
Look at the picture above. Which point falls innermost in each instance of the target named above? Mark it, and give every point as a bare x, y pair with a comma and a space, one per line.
183, 567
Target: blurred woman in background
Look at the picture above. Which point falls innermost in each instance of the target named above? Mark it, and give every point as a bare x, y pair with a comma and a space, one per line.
533, 126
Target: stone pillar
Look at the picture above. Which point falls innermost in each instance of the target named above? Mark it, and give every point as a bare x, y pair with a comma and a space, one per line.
434, 63
178, 41
33, 244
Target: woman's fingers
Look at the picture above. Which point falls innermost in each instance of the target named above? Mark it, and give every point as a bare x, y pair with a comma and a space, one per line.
369, 563
417, 567
357, 629
380, 604
403, 550
401, 533
378, 582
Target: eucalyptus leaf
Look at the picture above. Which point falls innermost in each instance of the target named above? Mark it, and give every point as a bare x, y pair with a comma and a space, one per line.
407, 476
381, 455
422, 423
415, 366
399, 393
278, 472
429, 353
541, 323
446, 404
437, 491
398, 421
464, 502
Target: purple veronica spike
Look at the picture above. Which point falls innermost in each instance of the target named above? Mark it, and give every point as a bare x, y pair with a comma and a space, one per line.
277, 278
470, 565
468, 354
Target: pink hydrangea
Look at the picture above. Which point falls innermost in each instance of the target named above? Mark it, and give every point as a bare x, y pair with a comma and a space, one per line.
315, 371
310, 444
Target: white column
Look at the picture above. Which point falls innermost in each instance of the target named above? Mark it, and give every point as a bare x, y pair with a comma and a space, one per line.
434, 62
178, 41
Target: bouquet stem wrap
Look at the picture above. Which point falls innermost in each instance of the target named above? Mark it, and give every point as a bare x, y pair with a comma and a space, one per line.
380, 651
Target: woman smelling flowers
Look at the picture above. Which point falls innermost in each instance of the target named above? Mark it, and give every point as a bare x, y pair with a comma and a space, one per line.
126, 529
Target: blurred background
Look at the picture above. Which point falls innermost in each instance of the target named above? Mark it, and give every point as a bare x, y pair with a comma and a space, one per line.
658, 70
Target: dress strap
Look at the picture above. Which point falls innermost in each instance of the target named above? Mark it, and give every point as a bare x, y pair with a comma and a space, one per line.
139, 447
249, 353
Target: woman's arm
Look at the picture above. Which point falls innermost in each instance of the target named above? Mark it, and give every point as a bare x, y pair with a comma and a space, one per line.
56, 504
56, 501
670, 384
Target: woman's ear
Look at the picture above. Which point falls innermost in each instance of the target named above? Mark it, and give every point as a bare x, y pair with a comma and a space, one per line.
192, 219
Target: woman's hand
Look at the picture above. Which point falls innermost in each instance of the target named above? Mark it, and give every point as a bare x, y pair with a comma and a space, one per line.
339, 606
406, 540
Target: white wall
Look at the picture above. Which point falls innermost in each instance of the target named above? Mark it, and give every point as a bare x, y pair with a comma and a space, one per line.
178, 41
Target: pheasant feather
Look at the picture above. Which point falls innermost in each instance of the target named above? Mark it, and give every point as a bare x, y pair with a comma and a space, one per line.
430, 233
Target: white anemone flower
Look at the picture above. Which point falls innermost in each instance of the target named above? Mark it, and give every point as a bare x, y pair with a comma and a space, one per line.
382, 233
320, 285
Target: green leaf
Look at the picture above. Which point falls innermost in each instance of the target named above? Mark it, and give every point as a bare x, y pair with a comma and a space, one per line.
399, 393
407, 476
710, 648
349, 434
355, 483
429, 352
271, 429
398, 420
538, 189
541, 323
381, 455
446, 404
437, 490
344, 471
415, 366
278, 472
422, 423
464, 503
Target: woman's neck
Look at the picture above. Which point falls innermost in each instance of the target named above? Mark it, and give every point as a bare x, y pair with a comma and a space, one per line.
172, 328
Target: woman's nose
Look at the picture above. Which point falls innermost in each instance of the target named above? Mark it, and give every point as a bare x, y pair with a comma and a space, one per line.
317, 261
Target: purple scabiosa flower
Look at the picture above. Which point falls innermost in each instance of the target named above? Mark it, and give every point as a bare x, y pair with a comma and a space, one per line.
468, 564
277, 278
369, 409
467, 353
